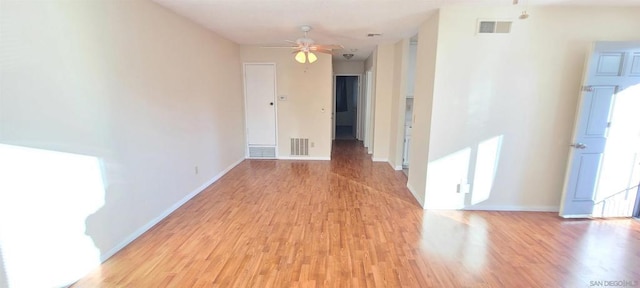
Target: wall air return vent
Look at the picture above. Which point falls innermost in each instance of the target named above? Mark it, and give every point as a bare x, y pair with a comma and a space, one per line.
299, 146
494, 27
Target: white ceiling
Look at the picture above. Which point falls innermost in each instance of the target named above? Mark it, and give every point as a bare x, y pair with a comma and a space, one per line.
345, 22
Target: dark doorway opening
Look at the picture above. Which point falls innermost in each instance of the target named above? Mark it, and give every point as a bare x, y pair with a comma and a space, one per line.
346, 107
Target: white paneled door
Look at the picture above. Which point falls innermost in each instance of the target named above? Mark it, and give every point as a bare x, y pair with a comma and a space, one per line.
260, 96
612, 69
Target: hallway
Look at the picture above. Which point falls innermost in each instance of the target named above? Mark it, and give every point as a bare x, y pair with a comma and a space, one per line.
351, 222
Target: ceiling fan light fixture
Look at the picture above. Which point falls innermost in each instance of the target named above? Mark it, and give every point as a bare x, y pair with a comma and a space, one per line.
301, 58
312, 57
305, 49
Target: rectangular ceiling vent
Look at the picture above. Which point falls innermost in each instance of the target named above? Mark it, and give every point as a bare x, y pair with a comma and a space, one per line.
494, 27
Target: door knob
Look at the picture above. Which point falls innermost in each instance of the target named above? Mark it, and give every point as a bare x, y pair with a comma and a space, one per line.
579, 145
271, 103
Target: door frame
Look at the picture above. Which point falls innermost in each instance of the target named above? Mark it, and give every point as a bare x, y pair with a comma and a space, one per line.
358, 100
275, 104
368, 116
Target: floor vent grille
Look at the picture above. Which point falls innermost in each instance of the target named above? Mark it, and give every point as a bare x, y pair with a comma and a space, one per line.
262, 152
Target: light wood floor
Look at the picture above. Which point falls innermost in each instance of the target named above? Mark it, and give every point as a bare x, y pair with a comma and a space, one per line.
352, 223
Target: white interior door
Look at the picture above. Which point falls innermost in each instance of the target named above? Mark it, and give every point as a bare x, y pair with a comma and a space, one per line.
612, 68
260, 95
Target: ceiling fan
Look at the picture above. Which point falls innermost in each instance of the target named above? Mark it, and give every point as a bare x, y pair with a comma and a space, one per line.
305, 47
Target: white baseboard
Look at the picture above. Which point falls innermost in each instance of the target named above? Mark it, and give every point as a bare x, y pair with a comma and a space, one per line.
166, 213
415, 195
395, 167
517, 208
380, 159
584, 216
303, 158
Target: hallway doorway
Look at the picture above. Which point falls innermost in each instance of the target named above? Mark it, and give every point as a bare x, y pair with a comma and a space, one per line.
345, 111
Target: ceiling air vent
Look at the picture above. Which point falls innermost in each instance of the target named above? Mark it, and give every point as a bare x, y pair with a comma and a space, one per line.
493, 27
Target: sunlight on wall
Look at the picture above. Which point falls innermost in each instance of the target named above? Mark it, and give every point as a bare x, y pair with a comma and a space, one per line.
486, 167
448, 176
45, 197
444, 174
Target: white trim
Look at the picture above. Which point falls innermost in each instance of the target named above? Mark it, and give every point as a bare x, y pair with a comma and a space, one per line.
333, 109
394, 167
380, 160
369, 109
165, 213
360, 110
303, 158
577, 216
519, 208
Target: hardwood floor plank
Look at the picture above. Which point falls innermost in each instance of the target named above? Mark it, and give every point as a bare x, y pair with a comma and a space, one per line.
351, 222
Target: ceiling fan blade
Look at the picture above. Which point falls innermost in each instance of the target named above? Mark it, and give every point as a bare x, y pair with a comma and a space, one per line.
281, 47
323, 51
320, 48
329, 47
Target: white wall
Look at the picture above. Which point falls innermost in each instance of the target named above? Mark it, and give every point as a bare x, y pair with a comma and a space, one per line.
369, 62
423, 107
3, 274
148, 93
307, 111
520, 87
370, 69
398, 103
383, 96
411, 76
348, 67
